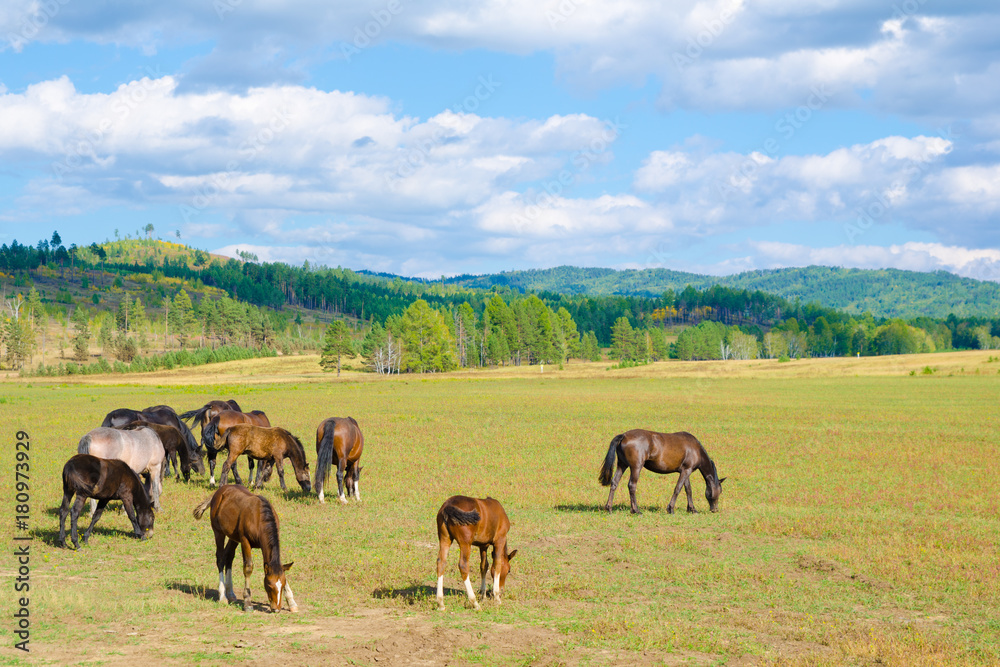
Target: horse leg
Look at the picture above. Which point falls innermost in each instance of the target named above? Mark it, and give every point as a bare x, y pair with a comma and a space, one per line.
444, 544
687, 487
63, 512
258, 481
286, 592
247, 571
75, 516
483, 567
156, 488
341, 468
681, 481
614, 487
633, 481
212, 453
230, 464
279, 463
128, 504
463, 568
97, 515
497, 548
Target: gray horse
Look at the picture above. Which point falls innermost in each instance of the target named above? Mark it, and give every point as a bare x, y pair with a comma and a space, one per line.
140, 449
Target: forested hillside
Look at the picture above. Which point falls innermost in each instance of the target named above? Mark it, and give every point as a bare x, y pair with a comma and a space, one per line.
882, 292
142, 296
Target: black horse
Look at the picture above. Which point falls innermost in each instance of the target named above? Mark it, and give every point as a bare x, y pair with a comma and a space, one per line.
86, 476
156, 414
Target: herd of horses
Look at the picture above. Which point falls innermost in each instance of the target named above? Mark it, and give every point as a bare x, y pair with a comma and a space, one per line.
134, 444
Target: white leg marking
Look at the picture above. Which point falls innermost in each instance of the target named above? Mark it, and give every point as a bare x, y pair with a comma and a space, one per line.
211, 480
321, 497
93, 507
222, 587
357, 494
291, 600
496, 587
472, 595
343, 499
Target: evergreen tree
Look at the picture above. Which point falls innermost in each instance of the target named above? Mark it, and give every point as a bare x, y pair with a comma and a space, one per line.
336, 342
35, 309
427, 343
622, 340
81, 335
182, 317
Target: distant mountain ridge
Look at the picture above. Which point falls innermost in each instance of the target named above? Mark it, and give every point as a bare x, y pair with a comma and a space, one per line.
883, 292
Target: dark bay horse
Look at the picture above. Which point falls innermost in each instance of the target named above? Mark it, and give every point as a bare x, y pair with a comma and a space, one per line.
248, 521
266, 444
87, 476
213, 434
473, 522
205, 413
139, 448
174, 446
155, 414
339, 442
661, 453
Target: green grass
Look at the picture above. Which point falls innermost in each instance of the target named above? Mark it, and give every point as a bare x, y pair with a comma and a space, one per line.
859, 523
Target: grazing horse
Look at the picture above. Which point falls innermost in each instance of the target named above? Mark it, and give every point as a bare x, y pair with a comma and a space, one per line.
249, 521
339, 441
661, 453
266, 443
155, 414
140, 449
173, 446
87, 476
473, 522
213, 435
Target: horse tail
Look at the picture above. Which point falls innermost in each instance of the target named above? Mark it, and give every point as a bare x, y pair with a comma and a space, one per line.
84, 446
208, 435
197, 414
608, 469
324, 457
457, 517
200, 509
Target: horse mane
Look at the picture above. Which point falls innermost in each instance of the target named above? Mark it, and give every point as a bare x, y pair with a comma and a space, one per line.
354, 421
269, 532
298, 451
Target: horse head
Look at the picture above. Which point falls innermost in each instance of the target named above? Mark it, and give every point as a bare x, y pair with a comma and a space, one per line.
504, 566
713, 489
145, 518
274, 584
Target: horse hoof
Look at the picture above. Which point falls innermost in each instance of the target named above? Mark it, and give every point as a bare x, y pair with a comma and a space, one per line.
477, 607
692, 510
294, 609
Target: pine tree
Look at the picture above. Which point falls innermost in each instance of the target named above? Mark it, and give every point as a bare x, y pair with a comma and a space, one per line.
427, 343
81, 336
622, 340
336, 342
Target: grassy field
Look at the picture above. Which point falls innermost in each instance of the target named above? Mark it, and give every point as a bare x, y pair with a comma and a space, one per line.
859, 522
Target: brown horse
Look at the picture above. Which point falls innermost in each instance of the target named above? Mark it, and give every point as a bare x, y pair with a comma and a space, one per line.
266, 443
661, 453
87, 476
473, 522
339, 441
213, 435
249, 521
174, 445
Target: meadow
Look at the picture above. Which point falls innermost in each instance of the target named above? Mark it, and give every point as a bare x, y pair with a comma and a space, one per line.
858, 525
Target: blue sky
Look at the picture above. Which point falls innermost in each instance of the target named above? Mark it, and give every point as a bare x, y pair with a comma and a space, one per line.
438, 138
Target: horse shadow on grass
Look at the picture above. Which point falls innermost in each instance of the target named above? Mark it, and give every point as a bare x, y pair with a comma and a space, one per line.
201, 592
414, 594
50, 536
585, 508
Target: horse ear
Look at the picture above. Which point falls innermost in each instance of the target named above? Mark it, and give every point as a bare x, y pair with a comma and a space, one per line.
722, 480
511, 555
287, 566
